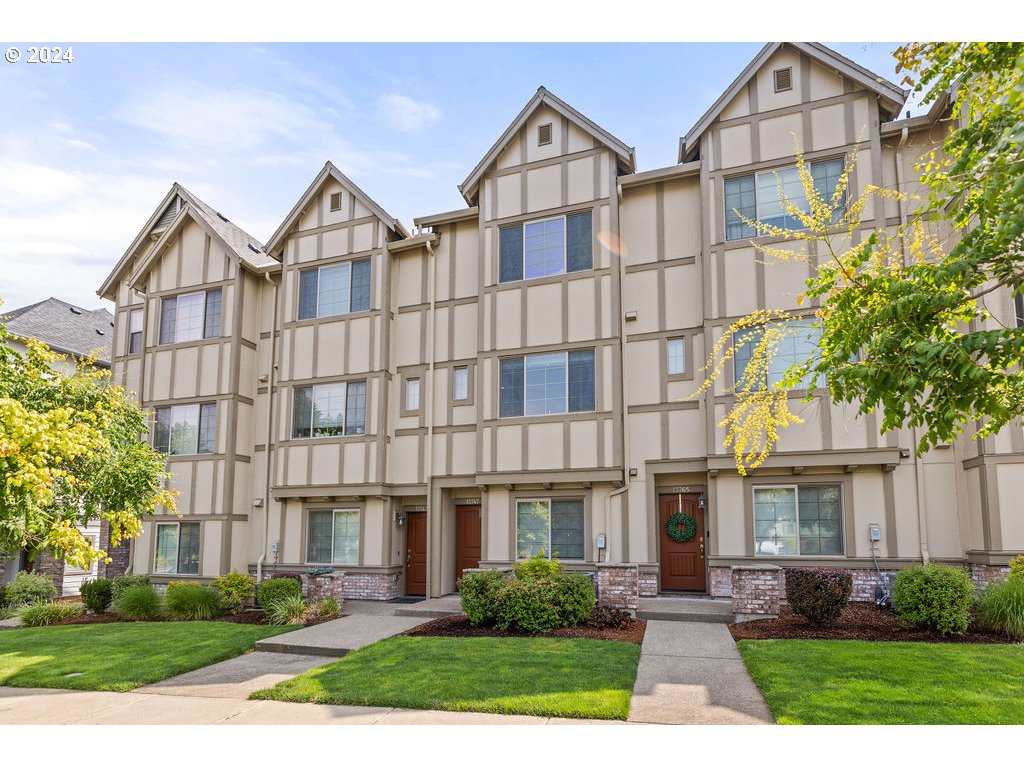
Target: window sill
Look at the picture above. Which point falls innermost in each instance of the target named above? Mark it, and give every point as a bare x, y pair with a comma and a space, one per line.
191, 343
327, 438
299, 322
568, 416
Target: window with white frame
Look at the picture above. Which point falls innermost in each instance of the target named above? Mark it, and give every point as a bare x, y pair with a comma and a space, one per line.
801, 519
763, 197
329, 410
177, 548
547, 383
552, 526
333, 536
675, 350
412, 395
186, 429
798, 342
190, 316
546, 247
134, 331
334, 290
460, 383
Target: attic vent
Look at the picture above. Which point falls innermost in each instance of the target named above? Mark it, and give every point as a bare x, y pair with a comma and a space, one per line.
75, 310
221, 216
783, 79
335, 201
168, 215
253, 248
544, 134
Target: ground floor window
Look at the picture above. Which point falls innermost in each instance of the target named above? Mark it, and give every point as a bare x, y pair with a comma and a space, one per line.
177, 548
798, 520
554, 526
333, 536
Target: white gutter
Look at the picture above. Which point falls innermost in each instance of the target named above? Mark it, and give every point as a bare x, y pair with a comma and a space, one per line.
270, 434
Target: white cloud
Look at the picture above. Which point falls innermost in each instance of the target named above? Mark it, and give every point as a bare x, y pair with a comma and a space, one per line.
405, 114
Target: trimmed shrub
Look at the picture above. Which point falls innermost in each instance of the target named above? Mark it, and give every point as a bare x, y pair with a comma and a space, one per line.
31, 588
1002, 607
289, 609
537, 567
329, 608
1017, 567
187, 601
478, 593
138, 603
97, 594
44, 614
935, 597
3, 596
604, 617
121, 583
574, 598
235, 590
271, 591
528, 605
819, 595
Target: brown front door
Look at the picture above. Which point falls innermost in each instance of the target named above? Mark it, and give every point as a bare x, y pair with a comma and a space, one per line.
416, 557
467, 538
682, 564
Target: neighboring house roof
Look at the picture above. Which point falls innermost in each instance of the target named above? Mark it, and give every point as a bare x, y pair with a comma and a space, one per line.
544, 97
892, 95
330, 170
65, 328
236, 240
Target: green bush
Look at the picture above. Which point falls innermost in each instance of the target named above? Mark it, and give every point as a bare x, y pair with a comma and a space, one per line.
528, 605
478, 594
44, 614
289, 609
1002, 607
31, 588
188, 601
537, 566
818, 594
329, 608
235, 590
97, 595
138, 603
574, 598
935, 597
270, 591
3, 596
121, 583
1017, 567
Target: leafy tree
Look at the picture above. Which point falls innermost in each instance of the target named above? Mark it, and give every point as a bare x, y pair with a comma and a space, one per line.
70, 454
905, 330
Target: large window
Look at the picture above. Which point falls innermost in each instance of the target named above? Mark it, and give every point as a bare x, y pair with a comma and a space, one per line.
329, 410
798, 342
758, 197
334, 290
186, 429
1018, 305
552, 382
177, 548
547, 247
134, 331
190, 316
798, 520
333, 536
551, 526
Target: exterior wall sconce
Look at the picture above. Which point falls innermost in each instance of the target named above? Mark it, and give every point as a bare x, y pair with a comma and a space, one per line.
399, 518
633, 472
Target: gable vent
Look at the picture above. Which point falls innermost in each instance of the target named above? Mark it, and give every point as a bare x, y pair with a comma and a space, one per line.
784, 79
544, 134
168, 216
335, 201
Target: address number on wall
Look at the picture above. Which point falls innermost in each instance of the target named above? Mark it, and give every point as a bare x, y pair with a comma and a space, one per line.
680, 489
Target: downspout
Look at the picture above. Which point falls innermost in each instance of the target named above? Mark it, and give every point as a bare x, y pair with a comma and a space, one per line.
623, 384
270, 434
922, 512
429, 392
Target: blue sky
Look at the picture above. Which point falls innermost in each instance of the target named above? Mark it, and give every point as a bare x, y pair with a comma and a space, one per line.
89, 148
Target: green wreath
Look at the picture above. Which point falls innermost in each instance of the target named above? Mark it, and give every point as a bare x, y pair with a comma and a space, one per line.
681, 527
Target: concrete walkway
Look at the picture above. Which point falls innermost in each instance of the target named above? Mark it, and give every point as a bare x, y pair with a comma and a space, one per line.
692, 674
338, 637
238, 677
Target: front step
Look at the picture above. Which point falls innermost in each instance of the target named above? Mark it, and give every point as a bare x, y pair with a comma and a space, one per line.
685, 609
432, 608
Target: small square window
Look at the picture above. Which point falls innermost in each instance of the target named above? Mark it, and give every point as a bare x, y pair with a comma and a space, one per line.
676, 351
544, 134
783, 79
336, 201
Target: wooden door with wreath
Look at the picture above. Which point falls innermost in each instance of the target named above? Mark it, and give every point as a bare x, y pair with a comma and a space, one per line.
682, 540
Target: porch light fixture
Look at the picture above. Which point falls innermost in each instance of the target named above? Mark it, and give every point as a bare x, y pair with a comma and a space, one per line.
399, 518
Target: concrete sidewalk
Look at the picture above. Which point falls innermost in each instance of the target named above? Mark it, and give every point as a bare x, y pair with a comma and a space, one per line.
338, 637
238, 677
45, 706
692, 673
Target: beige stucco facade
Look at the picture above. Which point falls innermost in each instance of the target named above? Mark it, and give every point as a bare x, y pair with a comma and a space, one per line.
662, 270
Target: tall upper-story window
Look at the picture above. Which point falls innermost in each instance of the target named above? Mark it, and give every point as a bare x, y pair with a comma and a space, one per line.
551, 246
334, 290
329, 410
186, 429
758, 197
547, 383
134, 331
799, 342
190, 316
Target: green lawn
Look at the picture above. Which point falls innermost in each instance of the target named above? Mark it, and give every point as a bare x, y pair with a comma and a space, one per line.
854, 682
554, 677
119, 656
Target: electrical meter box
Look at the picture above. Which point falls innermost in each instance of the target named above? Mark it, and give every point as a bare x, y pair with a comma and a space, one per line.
601, 541
875, 532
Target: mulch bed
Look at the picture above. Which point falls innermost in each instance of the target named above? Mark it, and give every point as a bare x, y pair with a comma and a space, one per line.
859, 621
459, 626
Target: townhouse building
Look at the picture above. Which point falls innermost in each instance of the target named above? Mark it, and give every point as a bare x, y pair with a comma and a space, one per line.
518, 375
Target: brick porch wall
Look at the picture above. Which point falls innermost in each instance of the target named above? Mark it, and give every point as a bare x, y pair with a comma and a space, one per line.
721, 581
648, 584
983, 575
618, 586
372, 586
48, 565
756, 589
119, 555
